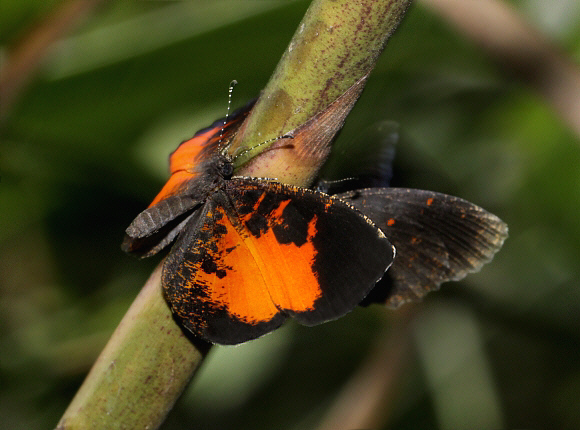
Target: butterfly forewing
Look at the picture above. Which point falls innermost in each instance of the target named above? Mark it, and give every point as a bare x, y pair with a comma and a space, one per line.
204, 279
263, 251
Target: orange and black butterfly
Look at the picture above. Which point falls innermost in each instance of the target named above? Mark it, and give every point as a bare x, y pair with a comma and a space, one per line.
250, 253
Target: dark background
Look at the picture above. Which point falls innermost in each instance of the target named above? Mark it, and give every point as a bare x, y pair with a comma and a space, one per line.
84, 148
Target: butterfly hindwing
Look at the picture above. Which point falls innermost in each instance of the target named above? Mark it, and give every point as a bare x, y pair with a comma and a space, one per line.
438, 238
260, 252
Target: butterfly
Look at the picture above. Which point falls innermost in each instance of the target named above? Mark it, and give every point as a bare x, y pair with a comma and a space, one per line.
250, 253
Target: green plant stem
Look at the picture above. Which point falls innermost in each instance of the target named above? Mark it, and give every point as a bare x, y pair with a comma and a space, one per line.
141, 372
336, 45
148, 360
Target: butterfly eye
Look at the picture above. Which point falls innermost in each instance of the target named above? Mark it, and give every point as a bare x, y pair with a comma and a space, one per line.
227, 169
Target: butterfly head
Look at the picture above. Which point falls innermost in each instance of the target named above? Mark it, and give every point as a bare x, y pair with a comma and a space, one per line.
224, 167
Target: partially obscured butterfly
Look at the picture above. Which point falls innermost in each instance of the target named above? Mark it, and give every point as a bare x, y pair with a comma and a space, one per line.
250, 253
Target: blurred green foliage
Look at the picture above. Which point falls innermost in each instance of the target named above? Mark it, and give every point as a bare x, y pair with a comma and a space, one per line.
85, 149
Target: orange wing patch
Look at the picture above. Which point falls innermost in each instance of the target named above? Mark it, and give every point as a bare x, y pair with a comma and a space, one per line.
305, 289
173, 186
187, 155
236, 282
286, 267
187, 161
262, 276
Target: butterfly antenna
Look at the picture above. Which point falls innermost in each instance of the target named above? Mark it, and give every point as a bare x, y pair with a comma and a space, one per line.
328, 186
245, 151
230, 91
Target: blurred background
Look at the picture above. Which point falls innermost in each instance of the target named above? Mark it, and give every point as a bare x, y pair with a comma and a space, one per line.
96, 94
